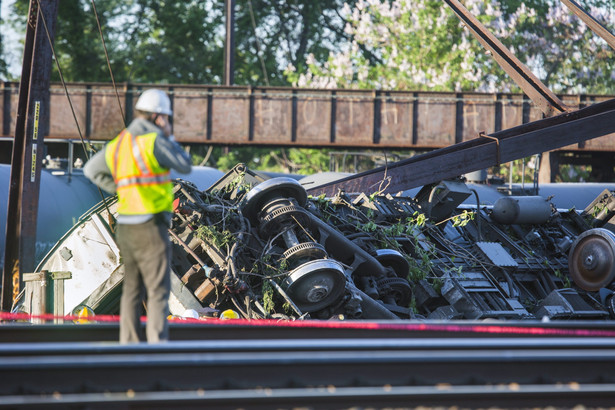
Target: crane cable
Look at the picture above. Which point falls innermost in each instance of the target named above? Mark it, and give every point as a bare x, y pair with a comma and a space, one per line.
70, 103
102, 38
258, 47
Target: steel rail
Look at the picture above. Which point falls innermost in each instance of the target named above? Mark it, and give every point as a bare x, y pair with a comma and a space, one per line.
327, 397
430, 367
48, 349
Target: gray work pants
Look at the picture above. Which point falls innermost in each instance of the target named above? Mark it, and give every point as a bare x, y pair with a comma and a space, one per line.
145, 250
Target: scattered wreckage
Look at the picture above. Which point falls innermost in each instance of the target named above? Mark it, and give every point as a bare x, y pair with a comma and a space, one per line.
263, 248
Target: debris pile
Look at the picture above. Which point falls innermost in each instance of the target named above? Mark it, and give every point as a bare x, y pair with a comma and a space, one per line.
266, 250
255, 248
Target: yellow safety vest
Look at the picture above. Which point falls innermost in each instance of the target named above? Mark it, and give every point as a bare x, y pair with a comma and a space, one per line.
143, 186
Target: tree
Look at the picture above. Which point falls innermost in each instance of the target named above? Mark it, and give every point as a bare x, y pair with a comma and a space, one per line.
567, 55
275, 34
294, 161
5, 49
3, 67
147, 41
422, 46
183, 41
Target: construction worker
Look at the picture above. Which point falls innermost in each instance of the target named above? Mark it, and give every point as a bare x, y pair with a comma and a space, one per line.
136, 165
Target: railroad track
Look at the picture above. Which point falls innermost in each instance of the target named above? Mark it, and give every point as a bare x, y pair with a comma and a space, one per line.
311, 373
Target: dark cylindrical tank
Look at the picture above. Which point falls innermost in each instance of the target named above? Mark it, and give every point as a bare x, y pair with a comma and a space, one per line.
63, 199
521, 210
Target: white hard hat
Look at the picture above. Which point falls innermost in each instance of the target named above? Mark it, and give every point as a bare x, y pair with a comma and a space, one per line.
156, 101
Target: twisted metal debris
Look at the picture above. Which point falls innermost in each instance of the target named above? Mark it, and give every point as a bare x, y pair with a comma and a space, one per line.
266, 250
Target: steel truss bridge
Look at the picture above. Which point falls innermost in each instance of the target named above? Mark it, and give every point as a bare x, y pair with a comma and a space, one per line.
296, 117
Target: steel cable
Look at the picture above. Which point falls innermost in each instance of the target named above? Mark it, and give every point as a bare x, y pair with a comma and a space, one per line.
102, 38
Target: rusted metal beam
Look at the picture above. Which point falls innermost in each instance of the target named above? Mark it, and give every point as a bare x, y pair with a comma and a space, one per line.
591, 22
31, 126
500, 147
11, 251
544, 98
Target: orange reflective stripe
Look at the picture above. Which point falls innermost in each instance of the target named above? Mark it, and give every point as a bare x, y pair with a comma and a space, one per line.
144, 180
143, 185
116, 153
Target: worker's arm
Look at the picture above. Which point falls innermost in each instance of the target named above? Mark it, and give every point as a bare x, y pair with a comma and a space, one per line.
97, 171
171, 155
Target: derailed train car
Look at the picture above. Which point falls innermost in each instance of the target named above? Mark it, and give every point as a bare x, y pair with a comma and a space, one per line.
263, 248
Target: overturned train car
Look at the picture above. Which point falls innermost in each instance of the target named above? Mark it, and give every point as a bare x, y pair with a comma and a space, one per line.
265, 249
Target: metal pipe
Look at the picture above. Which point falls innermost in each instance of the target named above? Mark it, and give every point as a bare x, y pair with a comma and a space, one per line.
523, 173
342, 249
285, 296
431, 194
477, 214
290, 239
71, 155
510, 175
536, 172
229, 45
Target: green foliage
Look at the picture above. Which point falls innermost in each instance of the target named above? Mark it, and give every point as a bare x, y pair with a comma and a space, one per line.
521, 170
175, 42
574, 173
302, 161
78, 45
286, 33
306, 161
417, 219
320, 200
437, 284
288, 309
565, 279
392, 44
152, 41
463, 218
268, 294
3, 65
524, 170
422, 264
421, 45
598, 208
370, 226
214, 236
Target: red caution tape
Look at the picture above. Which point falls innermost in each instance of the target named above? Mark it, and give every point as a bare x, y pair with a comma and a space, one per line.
375, 326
